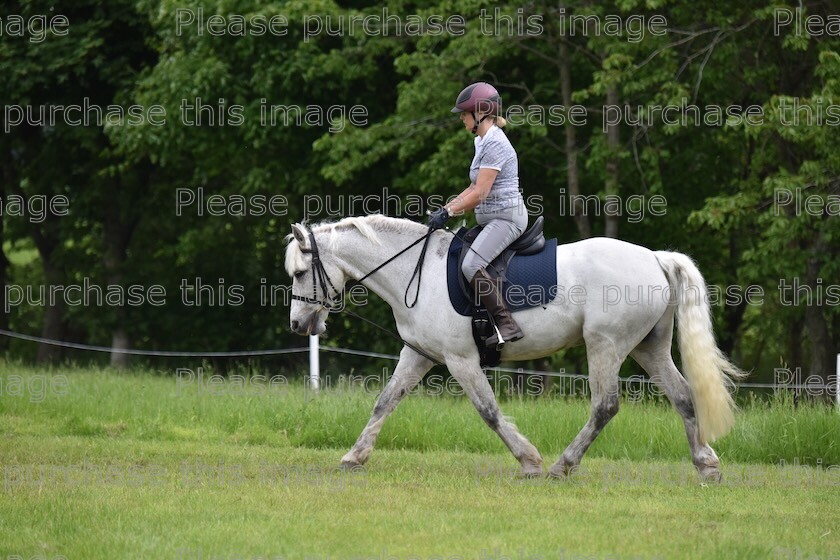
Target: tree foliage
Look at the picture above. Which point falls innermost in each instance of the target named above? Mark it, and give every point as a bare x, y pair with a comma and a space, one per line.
725, 180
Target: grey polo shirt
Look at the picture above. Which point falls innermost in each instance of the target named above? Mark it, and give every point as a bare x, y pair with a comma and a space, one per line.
495, 151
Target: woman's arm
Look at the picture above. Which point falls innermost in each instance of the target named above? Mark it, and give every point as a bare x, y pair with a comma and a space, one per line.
474, 194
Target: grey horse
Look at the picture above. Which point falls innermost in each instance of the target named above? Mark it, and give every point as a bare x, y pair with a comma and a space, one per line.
617, 298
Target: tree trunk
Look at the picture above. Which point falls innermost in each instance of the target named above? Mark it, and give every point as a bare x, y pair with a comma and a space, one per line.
120, 341
576, 205
117, 232
54, 327
733, 315
794, 353
8, 178
47, 241
4, 268
611, 181
119, 336
823, 350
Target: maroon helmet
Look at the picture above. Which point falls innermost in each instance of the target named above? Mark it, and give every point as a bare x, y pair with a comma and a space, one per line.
479, 96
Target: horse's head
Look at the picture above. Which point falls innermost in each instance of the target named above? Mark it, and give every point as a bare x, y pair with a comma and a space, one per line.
317, 281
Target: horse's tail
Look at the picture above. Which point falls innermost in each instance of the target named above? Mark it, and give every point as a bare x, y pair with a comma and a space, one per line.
708, 372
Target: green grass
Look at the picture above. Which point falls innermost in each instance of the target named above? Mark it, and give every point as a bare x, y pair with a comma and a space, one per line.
142, 406
125, 466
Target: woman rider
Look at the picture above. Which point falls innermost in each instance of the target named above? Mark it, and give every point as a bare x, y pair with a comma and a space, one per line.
494, 195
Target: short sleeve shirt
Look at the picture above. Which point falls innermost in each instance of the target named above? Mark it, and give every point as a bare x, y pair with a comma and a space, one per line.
495, 151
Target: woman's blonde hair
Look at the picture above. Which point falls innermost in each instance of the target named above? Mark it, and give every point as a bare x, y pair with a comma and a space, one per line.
500, 121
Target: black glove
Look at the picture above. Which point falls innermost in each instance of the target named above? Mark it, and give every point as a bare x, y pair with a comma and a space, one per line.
438, 218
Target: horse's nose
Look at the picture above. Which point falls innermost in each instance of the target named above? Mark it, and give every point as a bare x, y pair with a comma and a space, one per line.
295, 326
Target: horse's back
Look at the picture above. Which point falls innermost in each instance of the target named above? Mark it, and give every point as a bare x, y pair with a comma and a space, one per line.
618, 278
607, 260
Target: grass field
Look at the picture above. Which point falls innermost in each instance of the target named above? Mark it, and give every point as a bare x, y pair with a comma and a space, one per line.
101, 464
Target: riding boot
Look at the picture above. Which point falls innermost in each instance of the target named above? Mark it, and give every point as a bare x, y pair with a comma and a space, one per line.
489, 292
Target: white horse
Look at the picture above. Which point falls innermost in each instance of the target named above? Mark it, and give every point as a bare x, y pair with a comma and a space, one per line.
654, 287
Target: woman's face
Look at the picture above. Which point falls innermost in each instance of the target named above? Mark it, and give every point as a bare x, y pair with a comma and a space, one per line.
467, 119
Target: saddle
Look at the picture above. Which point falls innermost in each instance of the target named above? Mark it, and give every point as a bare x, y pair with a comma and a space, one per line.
530, 242
528, 271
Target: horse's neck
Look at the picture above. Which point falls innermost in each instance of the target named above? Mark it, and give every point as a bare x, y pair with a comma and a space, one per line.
359, 256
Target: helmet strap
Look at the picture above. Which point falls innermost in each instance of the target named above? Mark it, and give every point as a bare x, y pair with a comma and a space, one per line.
477, 122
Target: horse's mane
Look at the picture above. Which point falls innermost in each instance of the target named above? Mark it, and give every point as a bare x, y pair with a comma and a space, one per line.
369, 226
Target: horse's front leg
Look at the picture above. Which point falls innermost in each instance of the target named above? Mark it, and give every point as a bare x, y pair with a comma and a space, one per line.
472, 379
409, 371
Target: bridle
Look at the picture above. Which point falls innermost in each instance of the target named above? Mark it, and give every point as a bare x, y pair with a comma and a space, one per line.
321, 279
332, 303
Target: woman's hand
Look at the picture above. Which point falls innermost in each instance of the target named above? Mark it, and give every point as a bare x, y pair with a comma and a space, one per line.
475, 193
438, 218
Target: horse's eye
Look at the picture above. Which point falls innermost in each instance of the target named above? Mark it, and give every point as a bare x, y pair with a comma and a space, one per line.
299, 274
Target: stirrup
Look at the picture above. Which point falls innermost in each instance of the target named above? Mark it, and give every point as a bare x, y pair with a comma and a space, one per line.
500, 342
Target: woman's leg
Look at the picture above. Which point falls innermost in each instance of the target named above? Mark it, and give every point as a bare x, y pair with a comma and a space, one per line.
497, 234
493, 239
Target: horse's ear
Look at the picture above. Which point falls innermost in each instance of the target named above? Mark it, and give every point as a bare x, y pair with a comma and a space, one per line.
299, 233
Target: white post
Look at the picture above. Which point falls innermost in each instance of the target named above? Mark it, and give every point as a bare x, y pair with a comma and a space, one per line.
314, 367
837, 382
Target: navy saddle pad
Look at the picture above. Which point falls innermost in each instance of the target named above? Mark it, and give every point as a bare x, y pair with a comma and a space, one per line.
531, 280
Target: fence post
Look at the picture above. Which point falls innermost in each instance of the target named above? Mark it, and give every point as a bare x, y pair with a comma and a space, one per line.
314, 366
837, 382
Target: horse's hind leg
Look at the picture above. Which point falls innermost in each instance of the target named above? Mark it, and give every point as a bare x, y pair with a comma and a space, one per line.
472, 379
409, 371
604, 363
654, 355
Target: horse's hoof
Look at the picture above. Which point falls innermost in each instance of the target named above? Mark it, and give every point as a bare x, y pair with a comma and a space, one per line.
710, 474
351, 466
531, 471
562, 469
561, 473
558, 474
